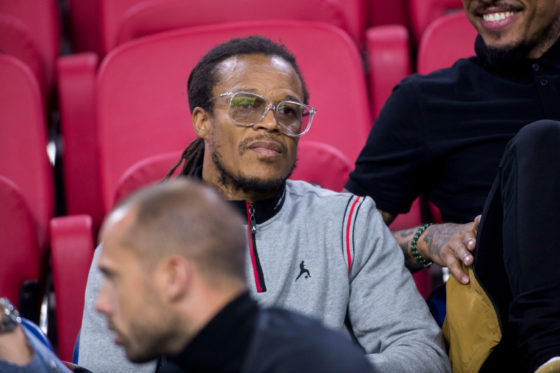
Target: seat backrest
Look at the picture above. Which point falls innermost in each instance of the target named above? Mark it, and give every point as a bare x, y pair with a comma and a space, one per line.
123, 20
383, 12
142, 103
16, 41
40, 21
23, 141
423, 12
84, 25
445, 41
388, 59
318, 163
19, 248
322, 164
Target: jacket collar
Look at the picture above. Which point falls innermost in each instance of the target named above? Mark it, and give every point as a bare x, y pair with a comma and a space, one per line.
263, 209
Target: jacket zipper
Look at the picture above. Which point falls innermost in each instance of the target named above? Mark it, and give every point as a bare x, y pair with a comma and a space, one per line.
255, 262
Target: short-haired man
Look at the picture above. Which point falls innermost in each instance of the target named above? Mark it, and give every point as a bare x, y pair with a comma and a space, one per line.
249, 107
443, 135
173, 261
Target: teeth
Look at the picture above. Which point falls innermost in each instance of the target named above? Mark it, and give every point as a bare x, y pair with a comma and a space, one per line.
496, 17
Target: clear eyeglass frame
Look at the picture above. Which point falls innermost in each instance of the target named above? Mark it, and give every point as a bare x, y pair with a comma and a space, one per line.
308, 111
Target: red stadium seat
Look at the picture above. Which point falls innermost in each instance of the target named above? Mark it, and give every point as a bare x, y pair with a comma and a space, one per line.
19, 247
23, 156
72, 252
388, 58
123, 20
145, 172
16, 41
29, 30
84, 25
142, 106
322, 164
424, 12
80, 163
384, 12
445, 41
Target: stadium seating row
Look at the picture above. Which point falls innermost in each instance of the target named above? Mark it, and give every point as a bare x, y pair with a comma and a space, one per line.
31, 31
125, 117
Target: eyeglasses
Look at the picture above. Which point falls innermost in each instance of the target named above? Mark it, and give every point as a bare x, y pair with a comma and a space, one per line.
246, 109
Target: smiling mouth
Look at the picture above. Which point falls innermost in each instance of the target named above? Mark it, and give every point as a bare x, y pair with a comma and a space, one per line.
498, 16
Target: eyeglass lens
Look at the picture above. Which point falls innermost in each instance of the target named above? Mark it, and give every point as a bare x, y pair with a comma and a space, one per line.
248, 109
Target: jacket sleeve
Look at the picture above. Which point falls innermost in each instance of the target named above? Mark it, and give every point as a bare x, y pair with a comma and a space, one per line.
43, 360
388, 316
97, 351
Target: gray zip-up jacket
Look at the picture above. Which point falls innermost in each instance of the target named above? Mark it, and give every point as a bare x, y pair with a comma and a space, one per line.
328, 255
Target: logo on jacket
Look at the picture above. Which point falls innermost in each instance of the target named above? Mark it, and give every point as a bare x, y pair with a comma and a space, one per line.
303, 271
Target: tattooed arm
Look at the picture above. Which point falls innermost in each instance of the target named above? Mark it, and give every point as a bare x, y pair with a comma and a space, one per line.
445, 244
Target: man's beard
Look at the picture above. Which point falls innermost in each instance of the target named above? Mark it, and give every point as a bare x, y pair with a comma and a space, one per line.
248, 184
514, 55
508, 56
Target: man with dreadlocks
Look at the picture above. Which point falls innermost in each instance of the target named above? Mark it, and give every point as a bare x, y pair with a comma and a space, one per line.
249, 107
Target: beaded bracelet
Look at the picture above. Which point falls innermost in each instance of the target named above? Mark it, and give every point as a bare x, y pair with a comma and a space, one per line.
414, 248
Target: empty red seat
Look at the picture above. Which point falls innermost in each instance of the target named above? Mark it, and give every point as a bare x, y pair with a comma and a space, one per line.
424, 12
142, 107
445, 41
29, 30
23, 141
19, 246
122, 20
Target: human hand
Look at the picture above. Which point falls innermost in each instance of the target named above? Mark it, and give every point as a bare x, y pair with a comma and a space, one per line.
450, 245
13, 342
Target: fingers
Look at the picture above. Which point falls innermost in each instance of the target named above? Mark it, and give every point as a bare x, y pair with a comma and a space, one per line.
461, 254
476, 224
455, 268
469, 242
469, 238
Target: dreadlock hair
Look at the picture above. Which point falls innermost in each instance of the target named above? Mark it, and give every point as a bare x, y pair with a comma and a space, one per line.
203, 79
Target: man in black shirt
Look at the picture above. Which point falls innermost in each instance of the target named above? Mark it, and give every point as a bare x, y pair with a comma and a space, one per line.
173, 260
443, 136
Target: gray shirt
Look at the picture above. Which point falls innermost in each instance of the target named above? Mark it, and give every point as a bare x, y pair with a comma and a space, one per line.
356, 274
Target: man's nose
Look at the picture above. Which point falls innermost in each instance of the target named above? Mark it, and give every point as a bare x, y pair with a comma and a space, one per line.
102, 304
268, 121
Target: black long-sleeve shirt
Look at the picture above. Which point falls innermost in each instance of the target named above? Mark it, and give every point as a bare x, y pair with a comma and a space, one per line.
243, 337
443, 134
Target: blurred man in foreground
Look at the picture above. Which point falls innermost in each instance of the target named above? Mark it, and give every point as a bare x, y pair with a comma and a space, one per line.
173, 259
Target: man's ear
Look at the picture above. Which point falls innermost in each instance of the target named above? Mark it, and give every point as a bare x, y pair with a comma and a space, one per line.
175, 276
201, 122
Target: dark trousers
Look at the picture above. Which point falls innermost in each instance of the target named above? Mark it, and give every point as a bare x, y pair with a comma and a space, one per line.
517, 259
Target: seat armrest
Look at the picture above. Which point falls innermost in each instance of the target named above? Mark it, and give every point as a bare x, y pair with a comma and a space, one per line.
72, 247
77, 76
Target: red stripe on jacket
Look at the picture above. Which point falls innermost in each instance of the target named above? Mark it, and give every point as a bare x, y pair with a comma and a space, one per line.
348, 225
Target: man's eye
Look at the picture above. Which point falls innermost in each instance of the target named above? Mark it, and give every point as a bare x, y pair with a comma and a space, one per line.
288, 110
